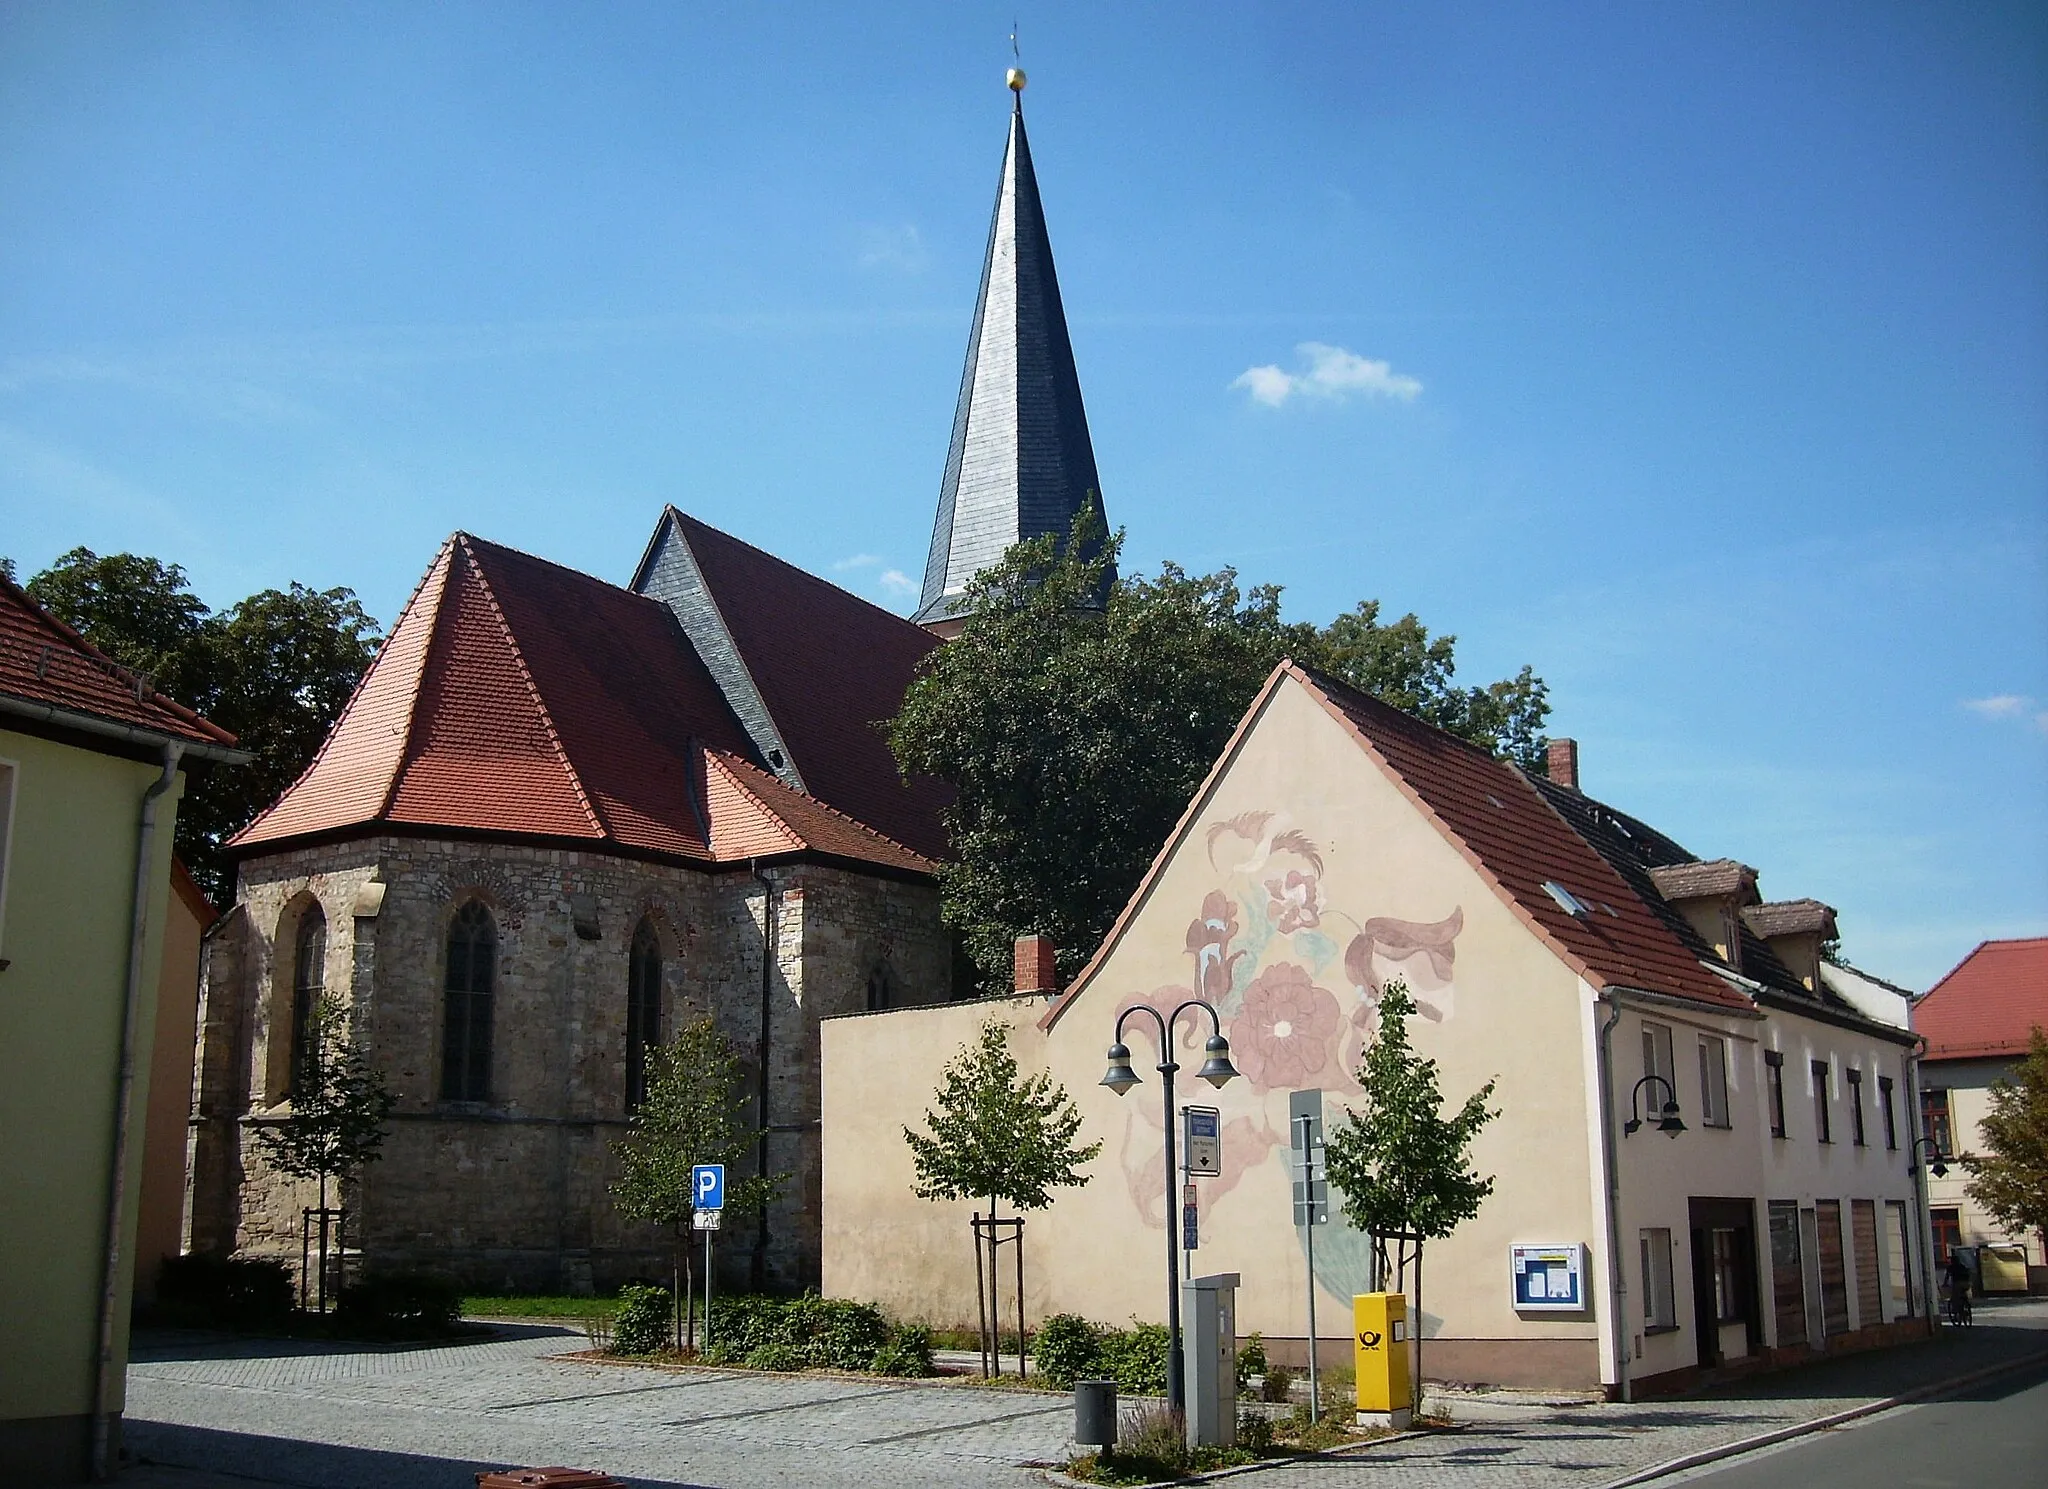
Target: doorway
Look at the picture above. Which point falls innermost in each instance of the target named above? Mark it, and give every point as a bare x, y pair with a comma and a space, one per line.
1725, 1294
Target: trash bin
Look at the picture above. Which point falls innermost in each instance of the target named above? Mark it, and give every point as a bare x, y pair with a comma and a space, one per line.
1095, 1413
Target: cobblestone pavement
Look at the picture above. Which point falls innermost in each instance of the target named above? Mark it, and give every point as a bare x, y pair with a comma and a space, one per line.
207, 1414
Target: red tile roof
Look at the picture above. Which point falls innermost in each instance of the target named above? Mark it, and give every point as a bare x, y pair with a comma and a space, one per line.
1988, 1005
1512, 834
47, 665
829, 666
515, 696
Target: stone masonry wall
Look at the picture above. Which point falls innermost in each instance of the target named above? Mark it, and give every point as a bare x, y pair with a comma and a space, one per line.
511, 1191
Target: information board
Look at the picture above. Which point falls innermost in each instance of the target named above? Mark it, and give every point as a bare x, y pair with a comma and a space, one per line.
1202, 1140
1549, 1279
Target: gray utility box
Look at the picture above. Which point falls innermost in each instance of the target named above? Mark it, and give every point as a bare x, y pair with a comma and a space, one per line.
1209, 1347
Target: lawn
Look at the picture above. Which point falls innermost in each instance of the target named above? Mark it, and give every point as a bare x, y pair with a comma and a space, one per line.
543, 1306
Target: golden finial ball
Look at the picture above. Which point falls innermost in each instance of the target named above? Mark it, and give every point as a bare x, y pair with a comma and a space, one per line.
1016, 80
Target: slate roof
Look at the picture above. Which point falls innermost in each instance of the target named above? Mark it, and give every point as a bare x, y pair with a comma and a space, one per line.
809, 670
1988, 1004
515, 697
1704, 879
1020, 464
1790, 918
51, 673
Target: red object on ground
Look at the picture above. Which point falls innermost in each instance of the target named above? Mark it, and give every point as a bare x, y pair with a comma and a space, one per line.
548, 1478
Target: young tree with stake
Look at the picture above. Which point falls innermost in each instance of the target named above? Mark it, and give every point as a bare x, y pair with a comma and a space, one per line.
338, 1106
996, 1137
1403, 1167
695, 1110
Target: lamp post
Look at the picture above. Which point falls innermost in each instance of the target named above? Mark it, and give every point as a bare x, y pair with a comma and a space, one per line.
1667, 1114
1216, 1070
1936, 1166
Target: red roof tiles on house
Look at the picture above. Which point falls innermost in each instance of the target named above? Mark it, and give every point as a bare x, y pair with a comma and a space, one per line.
1989, 1004
48, 666
1511, 833
514, 696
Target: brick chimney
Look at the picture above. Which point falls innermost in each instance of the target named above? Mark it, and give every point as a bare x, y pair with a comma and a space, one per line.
1035, 972
1564, 763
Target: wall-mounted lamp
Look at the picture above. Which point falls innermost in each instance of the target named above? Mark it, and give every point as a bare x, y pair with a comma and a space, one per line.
1667, 1119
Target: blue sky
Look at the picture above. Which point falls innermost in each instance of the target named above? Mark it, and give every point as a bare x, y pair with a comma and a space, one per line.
1697, 355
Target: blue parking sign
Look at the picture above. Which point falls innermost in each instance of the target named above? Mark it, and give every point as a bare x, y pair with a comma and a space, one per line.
707, 1185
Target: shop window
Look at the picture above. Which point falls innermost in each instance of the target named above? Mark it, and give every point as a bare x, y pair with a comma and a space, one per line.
1729, 1303
1899, 1257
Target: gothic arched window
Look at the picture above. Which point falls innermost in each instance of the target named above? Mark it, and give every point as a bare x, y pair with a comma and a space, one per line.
466, 1023
309, 981
881, 987
643, 1009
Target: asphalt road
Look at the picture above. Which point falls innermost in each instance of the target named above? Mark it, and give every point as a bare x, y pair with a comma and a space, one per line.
1984, 1437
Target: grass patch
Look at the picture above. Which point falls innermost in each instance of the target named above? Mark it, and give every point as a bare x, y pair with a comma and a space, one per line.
573, 1309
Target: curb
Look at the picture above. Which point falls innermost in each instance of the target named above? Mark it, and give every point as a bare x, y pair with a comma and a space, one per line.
1821, 1424
1054, 1476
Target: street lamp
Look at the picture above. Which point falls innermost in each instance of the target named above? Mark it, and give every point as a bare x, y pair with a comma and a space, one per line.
1216, 1070
1937, 1164
1667, 1121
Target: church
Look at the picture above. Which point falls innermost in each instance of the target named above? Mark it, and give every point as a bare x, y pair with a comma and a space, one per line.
559, 818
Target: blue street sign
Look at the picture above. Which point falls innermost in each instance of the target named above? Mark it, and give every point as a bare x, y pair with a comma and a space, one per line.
707, 1183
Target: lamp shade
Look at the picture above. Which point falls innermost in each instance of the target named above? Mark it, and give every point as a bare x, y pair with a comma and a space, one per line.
1669, 1123
1217, 1069
1120, 1077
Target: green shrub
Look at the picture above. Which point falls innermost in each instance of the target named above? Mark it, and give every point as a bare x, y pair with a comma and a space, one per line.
847, 1335
907, 1352
1135, 1358
740, 1324
1069, 1348
645, 1322
1251, 1360
400, 1303
777, 1355
1278, 1384
1255, 1432
228, 1291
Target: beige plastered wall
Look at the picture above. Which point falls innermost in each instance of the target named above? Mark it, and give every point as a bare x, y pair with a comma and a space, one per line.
70, 889
1302, 846
161, 1224
1968, 1083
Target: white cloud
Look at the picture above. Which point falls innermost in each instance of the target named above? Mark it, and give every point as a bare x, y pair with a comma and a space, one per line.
898, 583
899, 248
1331, 373
2009, 706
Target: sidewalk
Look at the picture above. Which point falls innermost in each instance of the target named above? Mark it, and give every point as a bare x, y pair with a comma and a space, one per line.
217, 1413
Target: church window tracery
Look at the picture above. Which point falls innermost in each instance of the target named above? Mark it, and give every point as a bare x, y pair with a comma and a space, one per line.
643, 1009
309, 981
470, 992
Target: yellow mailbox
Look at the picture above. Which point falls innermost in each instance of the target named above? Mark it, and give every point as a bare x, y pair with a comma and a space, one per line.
1379, 1343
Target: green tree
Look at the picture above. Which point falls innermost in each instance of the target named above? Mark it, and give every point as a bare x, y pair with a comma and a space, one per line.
338, 1107
695, 1110
995, 1136
274, 669
1403, 1168
2010, 1178
1073, 729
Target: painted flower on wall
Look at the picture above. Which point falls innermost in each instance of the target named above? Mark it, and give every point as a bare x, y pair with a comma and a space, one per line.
1283, 1036
1294, 903
1209, 944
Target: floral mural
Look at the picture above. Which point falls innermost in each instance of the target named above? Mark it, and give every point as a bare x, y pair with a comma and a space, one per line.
1298, 1008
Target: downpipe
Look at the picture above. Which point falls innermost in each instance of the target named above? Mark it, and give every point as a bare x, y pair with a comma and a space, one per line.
1617, 1278
124, 1102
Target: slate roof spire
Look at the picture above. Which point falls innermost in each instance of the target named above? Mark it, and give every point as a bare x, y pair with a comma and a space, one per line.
1021, 464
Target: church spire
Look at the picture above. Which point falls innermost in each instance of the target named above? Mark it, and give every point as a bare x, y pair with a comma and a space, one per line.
1021, 464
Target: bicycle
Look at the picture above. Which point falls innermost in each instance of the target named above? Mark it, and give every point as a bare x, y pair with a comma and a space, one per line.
1959, 1305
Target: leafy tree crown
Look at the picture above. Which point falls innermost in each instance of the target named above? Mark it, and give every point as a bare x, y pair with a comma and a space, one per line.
338, 1108
2010, 1177
994, 1136
695, 1110
1398, 1161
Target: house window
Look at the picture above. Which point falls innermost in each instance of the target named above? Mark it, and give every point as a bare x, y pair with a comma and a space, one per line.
1891, 1121
1660, 1307
1657, 1062
1774, 1081
881, 988
466, 1022
643, 1009
1713, 1081
1934, 1120
309, 981
1855, 1078
1729, 1304
1822, 1127
1948, 1234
